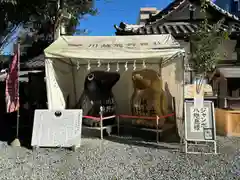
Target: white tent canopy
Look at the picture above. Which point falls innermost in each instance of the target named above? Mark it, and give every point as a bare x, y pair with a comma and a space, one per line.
113, 47
65, 81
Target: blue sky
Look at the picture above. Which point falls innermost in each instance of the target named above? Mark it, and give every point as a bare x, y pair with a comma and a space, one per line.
113, 12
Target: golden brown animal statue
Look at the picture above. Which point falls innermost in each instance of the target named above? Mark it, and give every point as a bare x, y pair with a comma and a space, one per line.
148, 98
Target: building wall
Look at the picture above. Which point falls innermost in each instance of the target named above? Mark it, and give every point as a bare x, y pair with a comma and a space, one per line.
186, 46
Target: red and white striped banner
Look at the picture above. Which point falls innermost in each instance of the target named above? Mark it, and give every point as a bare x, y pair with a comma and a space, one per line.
12, 83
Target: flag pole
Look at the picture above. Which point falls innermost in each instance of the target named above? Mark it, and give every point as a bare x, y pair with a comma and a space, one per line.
16, 141
18, 110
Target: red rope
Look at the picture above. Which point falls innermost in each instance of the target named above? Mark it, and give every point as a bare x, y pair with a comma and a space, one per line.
144, 117
136, 117
132, 117
93, 118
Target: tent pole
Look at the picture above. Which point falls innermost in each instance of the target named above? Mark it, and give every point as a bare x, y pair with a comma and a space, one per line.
74, 83
18, 111
183, 74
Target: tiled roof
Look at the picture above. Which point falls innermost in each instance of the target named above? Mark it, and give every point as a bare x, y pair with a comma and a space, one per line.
23, 76
177, 3
226, 13
25, 63
37, 62
168, 10
176, 28
158, 25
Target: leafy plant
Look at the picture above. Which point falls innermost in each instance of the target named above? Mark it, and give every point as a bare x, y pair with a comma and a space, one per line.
38, 11
205, 43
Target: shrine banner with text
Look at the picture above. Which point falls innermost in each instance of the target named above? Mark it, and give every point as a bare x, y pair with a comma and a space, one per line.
12, 84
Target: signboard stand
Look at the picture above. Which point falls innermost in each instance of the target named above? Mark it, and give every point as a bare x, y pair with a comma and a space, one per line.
57, 128
200, 128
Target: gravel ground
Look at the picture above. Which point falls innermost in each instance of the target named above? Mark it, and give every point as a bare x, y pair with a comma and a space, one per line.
108, 159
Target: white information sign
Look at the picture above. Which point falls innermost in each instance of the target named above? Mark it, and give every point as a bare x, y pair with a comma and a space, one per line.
199, 122
57, 128
199, 127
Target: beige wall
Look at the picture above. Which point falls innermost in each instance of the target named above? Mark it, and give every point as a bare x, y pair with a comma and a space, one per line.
228, 48
172, 75
186, 46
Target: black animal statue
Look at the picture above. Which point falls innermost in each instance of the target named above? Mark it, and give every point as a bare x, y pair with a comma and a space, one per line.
98, 92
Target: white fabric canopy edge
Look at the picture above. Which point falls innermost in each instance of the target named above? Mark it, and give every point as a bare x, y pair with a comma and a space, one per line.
80, 47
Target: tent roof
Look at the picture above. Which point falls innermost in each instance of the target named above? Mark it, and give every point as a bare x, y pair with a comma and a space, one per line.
114, 47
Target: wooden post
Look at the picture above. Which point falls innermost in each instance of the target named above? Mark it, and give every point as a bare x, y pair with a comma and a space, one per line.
101, 121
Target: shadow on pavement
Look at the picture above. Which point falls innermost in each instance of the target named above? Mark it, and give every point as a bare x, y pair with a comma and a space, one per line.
8, 128
140, 142
168, 140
